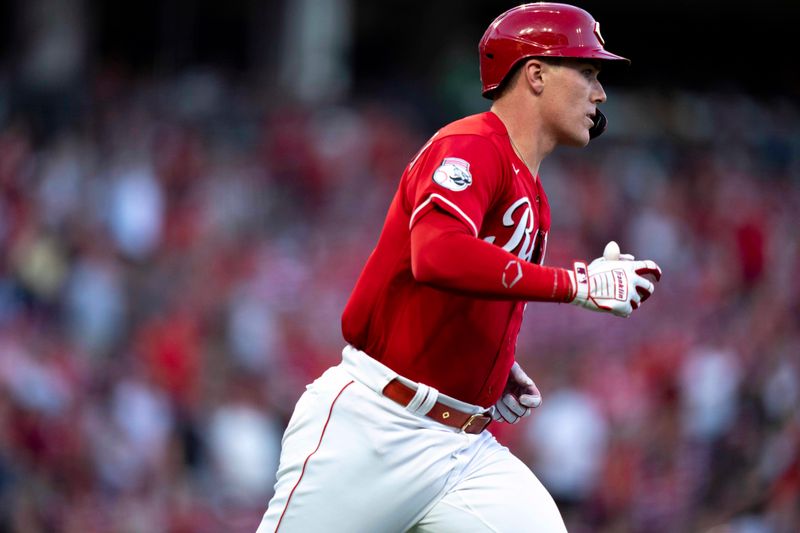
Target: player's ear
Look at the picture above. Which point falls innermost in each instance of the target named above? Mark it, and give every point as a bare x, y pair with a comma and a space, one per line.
533, 70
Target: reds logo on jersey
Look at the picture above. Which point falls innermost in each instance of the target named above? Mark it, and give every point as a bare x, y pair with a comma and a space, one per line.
522, 242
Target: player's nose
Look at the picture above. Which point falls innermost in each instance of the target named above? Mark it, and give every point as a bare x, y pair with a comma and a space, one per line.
598, 93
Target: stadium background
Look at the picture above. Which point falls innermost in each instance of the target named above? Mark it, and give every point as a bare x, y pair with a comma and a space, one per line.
189, 189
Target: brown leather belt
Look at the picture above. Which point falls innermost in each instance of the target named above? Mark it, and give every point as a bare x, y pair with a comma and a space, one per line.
466, 422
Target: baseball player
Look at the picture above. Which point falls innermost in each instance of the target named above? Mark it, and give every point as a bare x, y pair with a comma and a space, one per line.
395, 437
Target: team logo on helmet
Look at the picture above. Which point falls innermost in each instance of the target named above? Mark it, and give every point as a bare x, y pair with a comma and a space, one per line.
453, 174
597, 33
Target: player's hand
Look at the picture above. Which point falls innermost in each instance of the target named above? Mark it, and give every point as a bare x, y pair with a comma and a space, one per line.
614, 283
519, 397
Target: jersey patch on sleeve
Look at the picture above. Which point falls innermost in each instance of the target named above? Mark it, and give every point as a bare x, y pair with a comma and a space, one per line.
453, 174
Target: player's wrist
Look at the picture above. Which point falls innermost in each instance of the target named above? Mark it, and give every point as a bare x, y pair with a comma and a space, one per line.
569, 277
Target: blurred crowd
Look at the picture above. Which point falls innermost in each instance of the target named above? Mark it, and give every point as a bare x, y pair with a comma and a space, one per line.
177, 254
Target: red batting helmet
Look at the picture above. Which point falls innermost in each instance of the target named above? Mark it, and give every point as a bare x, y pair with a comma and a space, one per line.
538, 30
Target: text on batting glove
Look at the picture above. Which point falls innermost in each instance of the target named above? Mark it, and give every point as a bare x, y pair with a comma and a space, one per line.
617, 287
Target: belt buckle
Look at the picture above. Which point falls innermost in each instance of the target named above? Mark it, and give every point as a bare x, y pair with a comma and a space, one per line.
471, 419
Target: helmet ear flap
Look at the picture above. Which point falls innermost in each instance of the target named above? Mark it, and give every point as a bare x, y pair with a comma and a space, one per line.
600, 124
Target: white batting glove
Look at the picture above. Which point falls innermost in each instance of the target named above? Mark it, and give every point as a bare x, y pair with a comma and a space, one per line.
613, 283
519, 397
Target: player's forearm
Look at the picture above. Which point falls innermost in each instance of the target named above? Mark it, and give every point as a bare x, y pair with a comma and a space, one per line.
445, 256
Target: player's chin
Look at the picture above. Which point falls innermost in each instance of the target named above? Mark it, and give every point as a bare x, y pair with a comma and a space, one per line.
578, 139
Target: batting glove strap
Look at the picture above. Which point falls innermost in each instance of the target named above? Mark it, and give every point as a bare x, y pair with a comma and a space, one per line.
616, 287
579, 276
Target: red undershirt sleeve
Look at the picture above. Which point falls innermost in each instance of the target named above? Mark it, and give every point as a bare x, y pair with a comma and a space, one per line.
446, 255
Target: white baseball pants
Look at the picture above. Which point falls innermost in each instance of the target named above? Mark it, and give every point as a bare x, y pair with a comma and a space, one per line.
354, 461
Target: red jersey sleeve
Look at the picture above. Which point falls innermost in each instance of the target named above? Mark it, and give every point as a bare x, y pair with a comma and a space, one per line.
439, 245
461, 174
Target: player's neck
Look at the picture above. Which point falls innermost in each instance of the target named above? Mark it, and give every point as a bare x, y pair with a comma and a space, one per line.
526, 131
